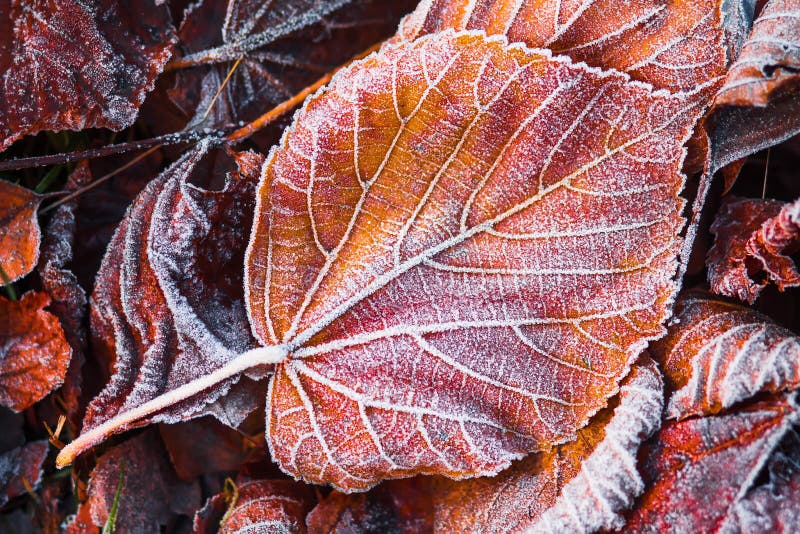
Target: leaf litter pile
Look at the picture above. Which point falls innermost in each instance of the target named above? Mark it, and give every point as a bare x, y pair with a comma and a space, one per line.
363, 266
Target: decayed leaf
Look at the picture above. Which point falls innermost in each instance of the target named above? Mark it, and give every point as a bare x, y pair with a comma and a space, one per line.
69, 66
673, 45
21, 469
463, 246
151, 492
701, 474
168, 301
34, 354
19, 231
481, 264
717, 354
69, 301
259, 506
752, 237
283, 45
759, 105
578, 487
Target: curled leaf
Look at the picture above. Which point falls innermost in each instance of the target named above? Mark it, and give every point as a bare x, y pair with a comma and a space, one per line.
69, 65
700, 473
752, 237
759, 104
581, 486
717, 354
19, 231
259, 506
34, 354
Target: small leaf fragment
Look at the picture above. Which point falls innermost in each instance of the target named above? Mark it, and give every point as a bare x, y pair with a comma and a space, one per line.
21, 469
34, 354
752, 236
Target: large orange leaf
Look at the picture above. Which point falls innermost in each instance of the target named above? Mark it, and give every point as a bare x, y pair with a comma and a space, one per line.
439, 241
459, 249
34, 354
581, 486
717, 354
673, 45
705, 474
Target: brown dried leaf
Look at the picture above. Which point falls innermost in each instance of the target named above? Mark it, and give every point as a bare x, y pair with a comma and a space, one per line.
753, 237
701, 474
34, 354
717, 354
19, 231
261, 506
69, 65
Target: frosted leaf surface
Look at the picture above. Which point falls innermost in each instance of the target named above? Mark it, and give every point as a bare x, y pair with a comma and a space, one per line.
759, 104
701, 473
284, 45
464, 245
675, 45
717, 354
578, 487
752, 236
20, 234
168, 304
34, 353
70, 65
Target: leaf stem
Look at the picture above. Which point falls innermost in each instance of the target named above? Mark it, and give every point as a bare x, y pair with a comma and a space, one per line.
271, 355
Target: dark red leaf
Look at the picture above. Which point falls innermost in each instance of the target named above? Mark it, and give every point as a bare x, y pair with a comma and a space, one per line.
752, 237
34, 354
69, 65
261, 506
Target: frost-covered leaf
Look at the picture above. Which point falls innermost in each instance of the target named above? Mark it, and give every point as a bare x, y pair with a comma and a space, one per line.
700, 473
151, 492
284, 45
753, 237
34, 354
578, 487
21, 466
168, 304
673, 45
716, 354
464, 246
759, 105
261, 506
19, 231
71, 65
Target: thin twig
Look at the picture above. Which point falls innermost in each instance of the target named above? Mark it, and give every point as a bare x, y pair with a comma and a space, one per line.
99, 181
109, 150
766, 170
